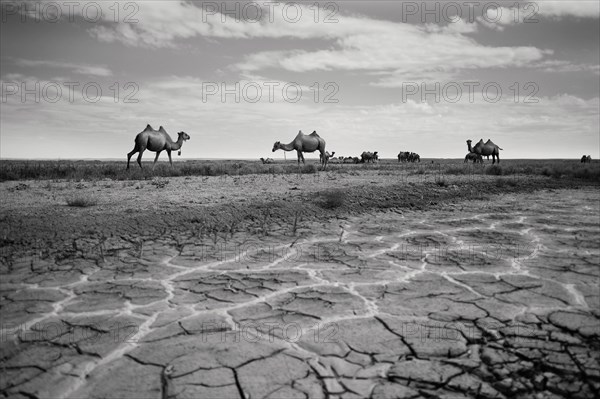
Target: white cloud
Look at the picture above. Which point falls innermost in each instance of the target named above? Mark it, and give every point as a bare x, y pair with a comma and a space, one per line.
401, 50
404, 51
221, 129
531, 12
566, 66
575, 8
83, 69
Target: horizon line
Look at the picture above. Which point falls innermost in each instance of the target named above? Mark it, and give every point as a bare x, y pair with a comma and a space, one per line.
246, 159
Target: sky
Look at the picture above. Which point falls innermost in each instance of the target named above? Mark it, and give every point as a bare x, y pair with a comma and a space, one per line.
80, 79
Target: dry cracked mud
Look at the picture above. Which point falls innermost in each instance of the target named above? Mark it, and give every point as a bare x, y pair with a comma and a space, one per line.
486, 299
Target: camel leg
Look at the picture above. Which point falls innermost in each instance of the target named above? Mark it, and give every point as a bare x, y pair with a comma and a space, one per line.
130, 155
170, 160
155, 159
139, 158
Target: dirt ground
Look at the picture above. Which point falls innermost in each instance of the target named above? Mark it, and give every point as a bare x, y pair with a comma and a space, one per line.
294, 286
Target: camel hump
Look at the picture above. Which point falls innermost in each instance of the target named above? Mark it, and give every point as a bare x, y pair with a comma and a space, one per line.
161, 129
314, 133
148, 127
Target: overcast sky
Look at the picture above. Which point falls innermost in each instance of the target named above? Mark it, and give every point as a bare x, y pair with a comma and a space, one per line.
353, 71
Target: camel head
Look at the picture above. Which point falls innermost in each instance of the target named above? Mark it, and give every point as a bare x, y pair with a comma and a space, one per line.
276, 146
183, 135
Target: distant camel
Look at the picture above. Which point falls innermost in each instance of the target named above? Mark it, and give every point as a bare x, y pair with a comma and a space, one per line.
328, 156
486, 149
304, 143
368, 156
351, 160
156, 141
414, 157
407, 156
586, 159
476, 158
331, 158
267, 161
339, 159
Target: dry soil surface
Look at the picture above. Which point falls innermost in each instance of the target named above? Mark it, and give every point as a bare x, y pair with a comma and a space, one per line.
482, 298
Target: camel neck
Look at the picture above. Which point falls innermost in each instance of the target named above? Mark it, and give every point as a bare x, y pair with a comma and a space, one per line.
287, 147
175, 145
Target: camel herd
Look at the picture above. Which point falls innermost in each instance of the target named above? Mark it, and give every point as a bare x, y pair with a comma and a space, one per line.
407, 156
159, 140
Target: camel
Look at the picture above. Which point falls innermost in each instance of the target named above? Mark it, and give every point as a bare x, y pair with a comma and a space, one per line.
351, 160
414, 157
485, 149
331, 158
476, 158
267, 161
339, 159
586, 159
156, 141
328, 156
368, 156
305, 143
407, 156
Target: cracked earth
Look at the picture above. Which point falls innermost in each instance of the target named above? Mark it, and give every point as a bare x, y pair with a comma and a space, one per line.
480, 299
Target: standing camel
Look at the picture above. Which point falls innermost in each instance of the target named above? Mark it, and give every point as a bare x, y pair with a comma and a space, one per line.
157, 141
305, 143
485, 149
368, 156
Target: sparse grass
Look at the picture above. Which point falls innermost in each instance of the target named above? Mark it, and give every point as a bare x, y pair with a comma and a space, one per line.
78, 171
441, 181
333, 199
159, 183
81, 201
495, 170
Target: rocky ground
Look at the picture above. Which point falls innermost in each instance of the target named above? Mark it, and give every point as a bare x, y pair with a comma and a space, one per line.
401, 289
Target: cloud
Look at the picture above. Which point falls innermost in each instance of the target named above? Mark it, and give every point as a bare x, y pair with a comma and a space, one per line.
531, 12
106, 128
581, 8
83, 69
404, 51
352, 43
566, 66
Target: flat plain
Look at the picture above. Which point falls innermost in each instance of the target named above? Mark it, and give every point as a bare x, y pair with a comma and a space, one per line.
436, 280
